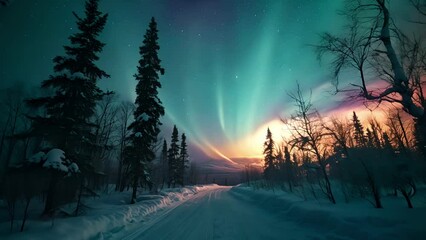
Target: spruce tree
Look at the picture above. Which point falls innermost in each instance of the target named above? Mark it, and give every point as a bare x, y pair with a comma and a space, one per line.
68, 110
420, 135
65, 119
289, 168
269, 155
173, 157
164, 164
359, 131
183, 160
149, 109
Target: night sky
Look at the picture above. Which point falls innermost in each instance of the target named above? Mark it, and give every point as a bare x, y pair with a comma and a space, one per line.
229, 64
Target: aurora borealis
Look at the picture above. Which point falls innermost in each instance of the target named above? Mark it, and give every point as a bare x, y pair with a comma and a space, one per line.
229, 63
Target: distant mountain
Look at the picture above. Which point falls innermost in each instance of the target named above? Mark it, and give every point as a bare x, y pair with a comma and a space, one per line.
223, 171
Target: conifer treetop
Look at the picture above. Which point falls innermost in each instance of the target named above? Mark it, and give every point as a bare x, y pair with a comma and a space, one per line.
149, 107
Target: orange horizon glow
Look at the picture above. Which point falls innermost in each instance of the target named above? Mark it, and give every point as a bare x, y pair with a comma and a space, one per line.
250, 147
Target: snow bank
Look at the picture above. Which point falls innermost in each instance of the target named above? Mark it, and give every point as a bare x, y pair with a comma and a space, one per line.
357, 220
105, 215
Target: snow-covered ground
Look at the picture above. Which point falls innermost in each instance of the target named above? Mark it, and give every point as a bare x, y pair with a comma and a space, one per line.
217, 212
107, 213
355, 220
244, 213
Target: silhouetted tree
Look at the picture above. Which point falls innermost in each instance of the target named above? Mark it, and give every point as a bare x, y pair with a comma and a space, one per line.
124, 115
359, 131
370, 47
149, 109
66, 122
377, 132
164, 164
173, 158
398, 133
308, 135
288, 168
269, 156
193, 173
369, 138
183, 160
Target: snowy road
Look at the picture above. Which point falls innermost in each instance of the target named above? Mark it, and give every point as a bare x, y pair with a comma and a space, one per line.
218, 213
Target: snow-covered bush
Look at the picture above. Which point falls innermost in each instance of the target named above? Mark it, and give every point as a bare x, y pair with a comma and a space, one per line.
54, 159
47, 173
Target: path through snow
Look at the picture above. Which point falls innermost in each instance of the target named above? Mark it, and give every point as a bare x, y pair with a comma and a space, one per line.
216, 214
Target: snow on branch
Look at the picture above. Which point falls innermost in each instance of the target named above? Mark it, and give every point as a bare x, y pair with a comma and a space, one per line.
54, 159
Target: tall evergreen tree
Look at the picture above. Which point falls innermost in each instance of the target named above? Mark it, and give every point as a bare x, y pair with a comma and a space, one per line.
420, 135
268, 152
148, 111
65, 122
173, 157
289, 168
74, 82
183, 160
359, 131
164, 164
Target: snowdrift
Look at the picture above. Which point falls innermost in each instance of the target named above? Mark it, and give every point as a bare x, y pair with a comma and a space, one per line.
356, 220
106, 214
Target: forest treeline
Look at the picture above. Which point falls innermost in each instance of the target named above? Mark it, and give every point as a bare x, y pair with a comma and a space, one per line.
325, 156
70, 139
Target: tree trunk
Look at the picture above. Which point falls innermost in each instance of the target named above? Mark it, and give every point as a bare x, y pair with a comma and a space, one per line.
420, 134
404, 133
25, 213
119, 177
376, 194
3, 137
80, 194
328, 189
407, 198
124, 180
400, 77
11, 207
49, 205
134, 189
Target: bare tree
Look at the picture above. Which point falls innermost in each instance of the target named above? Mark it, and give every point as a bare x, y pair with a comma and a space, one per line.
105, 120
124, 117
308, 135
398, 130
193, 173
12, 122
420, 6
340, 130
371, 48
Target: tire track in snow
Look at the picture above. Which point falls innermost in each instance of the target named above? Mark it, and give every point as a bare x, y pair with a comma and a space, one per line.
217, 214
156, 218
